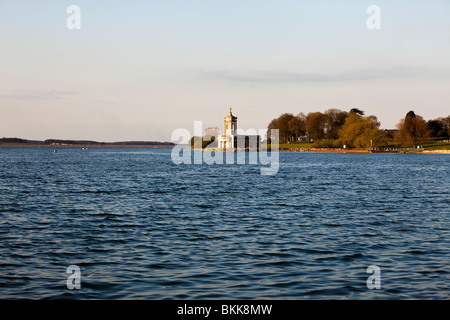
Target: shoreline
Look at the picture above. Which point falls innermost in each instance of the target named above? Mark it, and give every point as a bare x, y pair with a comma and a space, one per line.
325, 150
340, 150
309, 150
443, 151
330, 150
17, 145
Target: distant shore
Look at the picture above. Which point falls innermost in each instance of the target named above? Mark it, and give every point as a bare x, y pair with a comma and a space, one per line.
31, 145
66, 143
325, 150
437, 151
168, 145
341, 150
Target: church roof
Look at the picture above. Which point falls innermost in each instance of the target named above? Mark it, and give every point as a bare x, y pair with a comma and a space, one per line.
230, 116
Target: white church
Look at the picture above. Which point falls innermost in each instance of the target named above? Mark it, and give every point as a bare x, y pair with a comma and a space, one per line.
231, 141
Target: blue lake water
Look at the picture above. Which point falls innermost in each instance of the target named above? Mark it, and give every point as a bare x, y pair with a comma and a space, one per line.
141, 227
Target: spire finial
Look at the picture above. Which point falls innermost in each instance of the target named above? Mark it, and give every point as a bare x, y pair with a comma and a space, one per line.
230, 110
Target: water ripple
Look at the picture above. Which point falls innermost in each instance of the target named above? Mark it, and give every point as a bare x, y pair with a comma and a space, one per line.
140, 227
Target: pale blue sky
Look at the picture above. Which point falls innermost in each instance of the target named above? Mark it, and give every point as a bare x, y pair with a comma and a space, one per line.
137, 70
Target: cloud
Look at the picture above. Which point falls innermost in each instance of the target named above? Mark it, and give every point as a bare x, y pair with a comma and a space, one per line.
298, 77
37, 94
104, 101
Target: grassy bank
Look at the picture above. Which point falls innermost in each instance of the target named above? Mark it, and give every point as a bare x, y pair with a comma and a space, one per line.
336, 145
436, 146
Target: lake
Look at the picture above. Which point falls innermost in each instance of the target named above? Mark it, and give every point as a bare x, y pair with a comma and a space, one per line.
141, 227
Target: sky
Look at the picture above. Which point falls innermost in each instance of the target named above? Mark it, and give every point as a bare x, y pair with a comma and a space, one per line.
138, 70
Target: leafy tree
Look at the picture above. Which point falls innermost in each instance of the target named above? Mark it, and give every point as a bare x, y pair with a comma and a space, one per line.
272, 125
447, 123
315, 125
334, 120
358, 131
203, 141
411, 130
297, 126
290, 127
357, 111
196, 141
438, 127
411, 114
283, 127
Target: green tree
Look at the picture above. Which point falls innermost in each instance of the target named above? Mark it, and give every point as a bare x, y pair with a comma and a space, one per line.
447, 124
411, 130
315, 125
196, 142
357, 111
334, 120
288, 125
359, 131
283, 126
297, 126
438, 128
272, 125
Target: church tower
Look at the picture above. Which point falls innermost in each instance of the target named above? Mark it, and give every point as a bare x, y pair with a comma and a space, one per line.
230, 124
230, 141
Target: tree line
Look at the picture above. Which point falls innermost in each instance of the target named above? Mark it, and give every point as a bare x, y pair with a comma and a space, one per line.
84, 142
335, 128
